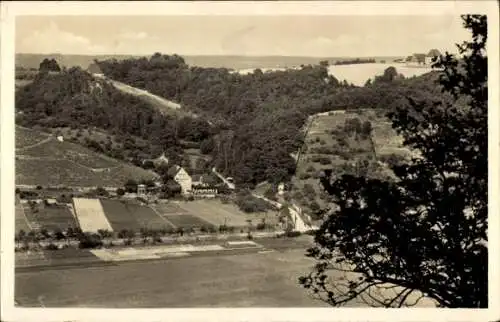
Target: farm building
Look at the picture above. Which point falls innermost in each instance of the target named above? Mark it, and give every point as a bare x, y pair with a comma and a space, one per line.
422, 59
182, 178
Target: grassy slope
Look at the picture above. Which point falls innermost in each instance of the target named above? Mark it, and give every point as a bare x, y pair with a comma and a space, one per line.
384, 141
64, 163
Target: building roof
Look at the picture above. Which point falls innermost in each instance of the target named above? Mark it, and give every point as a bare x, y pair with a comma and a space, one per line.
433, 53
173, 170
197, 177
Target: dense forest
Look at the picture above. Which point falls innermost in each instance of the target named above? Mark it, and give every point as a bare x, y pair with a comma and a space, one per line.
256, 118
74, 99
355, 61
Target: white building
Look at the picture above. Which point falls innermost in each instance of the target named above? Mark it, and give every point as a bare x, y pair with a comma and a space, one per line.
182, 178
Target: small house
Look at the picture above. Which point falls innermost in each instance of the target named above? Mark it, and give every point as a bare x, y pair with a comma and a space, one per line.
60, 138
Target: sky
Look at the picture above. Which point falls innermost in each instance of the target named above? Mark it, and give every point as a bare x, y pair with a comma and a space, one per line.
312, 36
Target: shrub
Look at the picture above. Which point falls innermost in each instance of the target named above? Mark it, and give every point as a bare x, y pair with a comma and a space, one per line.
261, 226
304, 176
58, 234
248, 203
309, 191
90, 241
293, 233
310, 169
51, 246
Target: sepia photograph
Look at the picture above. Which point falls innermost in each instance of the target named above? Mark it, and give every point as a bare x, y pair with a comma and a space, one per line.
251, 158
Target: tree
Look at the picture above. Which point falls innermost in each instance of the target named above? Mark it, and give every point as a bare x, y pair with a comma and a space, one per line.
49, 65
131, 186
426, 232
120, 192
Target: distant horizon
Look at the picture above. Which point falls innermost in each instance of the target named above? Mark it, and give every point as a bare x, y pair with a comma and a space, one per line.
242, 36
213, 55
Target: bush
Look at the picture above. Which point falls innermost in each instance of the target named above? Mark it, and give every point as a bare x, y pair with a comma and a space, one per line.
90, 241
51, 246
309, 191
293, 233
248, 203
310, 169
225, 199
304, 176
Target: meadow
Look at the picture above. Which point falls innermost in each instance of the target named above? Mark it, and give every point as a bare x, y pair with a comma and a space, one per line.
268, 279
263, 280
218, 213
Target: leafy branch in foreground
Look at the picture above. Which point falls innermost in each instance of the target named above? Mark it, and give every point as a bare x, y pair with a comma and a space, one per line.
424, 235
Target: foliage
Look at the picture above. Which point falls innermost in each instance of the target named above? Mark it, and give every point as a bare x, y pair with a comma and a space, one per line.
248, 203
90, 241
49, 65
74, 99
427, 231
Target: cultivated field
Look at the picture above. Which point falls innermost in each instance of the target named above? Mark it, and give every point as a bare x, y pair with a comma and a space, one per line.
21, 222
187, 221
90, 215
179, 217
126, 215
54, 149
52, 217
219, 213
42, 160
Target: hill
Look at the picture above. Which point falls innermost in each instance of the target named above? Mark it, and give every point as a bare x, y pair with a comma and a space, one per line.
123, 125
360, 142
43, 160
256, 119
207, 61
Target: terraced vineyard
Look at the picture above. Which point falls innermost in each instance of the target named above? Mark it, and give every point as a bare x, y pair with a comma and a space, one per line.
43, 160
